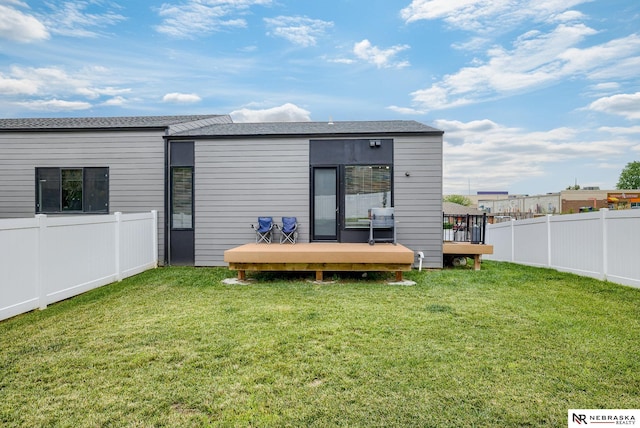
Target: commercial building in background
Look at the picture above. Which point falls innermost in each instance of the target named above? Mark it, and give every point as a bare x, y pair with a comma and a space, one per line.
564, 202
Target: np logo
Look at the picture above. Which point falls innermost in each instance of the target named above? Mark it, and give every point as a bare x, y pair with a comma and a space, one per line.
579, 419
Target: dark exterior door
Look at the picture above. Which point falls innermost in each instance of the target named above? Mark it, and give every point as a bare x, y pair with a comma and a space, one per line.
181, 234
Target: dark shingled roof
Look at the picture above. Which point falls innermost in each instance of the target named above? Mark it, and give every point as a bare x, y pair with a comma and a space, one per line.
129, 122
311, 128
219, 126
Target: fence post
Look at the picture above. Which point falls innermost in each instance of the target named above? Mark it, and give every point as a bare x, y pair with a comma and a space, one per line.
40, 262
549, 246
154, 237
513, 240
605, 237
118, 220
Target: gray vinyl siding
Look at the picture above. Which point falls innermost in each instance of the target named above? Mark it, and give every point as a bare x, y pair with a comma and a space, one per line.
135, 161
237, 181
418, 197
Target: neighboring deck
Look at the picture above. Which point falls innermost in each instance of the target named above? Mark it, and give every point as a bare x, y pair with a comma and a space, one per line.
467, 249
320, 257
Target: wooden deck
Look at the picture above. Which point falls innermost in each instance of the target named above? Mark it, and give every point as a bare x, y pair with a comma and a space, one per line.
320, 257
467, 249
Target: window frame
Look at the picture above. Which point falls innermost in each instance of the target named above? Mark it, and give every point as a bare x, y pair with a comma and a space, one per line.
364, 223
53, 202
179, 200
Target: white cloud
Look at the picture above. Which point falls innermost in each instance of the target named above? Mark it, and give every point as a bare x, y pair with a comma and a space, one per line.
93, 93
437, 9
380, 57
537, 59
406, 110
51, 80
20, 27
484, 16
626, 105
55, 105
341, 60
115, 102
299, 30
603, 56
497, 157
624, 69
11, 86
285, 113
474, 44
617, 130
605, 87
568, 16
197, 18
42, 88
178, 98
71, 19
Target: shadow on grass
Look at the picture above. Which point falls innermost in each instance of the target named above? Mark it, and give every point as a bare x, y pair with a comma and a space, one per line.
280, 276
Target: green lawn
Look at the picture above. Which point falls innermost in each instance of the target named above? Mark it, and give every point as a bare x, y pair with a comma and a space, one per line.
506, 346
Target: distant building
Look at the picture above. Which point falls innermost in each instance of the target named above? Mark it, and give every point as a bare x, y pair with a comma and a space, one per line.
564, 202
485, 195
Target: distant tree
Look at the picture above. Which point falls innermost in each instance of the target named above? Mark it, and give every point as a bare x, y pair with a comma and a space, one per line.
574, 187
630, 176
457, 199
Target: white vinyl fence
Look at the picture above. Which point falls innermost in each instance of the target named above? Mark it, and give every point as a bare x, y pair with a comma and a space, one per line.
603, 245
46, 259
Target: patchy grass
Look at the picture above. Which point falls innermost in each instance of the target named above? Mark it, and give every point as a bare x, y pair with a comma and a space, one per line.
506, 346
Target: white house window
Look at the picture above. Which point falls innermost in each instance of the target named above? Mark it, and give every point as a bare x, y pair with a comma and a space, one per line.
72, 190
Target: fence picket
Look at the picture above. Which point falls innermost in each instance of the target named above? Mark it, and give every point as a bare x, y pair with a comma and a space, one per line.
602, 244
47, 259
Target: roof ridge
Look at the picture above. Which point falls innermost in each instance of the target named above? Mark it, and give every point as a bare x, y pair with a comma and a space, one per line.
372, 127
201, 123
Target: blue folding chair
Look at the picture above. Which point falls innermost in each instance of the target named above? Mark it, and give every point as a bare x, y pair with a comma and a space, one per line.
264, 230
289, 230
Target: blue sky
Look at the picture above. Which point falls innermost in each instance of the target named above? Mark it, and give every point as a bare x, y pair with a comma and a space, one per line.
533, 95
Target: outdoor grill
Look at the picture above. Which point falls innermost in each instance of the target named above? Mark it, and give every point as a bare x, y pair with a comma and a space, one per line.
381, 218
